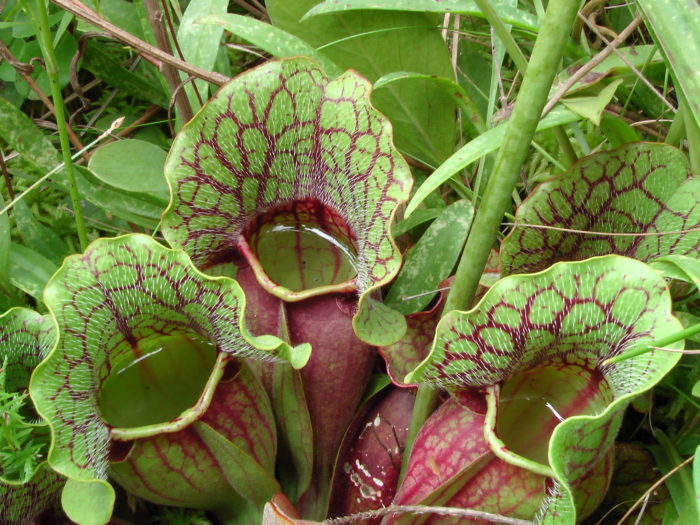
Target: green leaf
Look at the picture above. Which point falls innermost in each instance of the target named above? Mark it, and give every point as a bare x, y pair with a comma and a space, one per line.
200, 42
29, 270
103, 65
689, 267
140, 208
422, 271
477, 148
516, 17
675, 23
37, 236
88, 502
617, 131
645, 57
473, 119
131, 165
295, 433
642, 188
419, 217
592, 107
246, 476
21, 134
373, 43
275, 41
122, 14
378, 324
680, 485
6, 291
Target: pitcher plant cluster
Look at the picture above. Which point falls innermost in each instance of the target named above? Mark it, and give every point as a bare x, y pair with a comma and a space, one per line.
272, 357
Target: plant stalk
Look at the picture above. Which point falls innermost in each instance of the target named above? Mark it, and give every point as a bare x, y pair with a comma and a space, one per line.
40, 19
537, 82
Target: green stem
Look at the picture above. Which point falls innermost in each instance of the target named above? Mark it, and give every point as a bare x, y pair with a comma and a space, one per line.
693, 133
677, 130
537, 82
40, 19
659, 343
511, 155
565, 145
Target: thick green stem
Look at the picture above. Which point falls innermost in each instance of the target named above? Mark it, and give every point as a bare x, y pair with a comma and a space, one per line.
537, 82
511, 155
41, 22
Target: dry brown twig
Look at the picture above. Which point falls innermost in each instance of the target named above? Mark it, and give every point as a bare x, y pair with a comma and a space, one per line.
425, 509
82, 11
592, 63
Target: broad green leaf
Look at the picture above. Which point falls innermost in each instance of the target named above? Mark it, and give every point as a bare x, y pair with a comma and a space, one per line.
422, 271
244, 474
373, 43
617, 131
689, 267
419, 217
118, 293
325, 165
592, 107
131, 165
644, 189
38, 237
546, 335
29, 270
121, 13
675, 23
271, 39
516, 17
680, 485
200, 42
473, 119
140, 208
88, 502
478, 148
294, 430
6, 292
21, 134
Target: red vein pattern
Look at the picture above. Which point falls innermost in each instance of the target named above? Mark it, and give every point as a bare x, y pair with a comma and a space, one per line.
118, 292
583, 313
278, 134
25, 338
638, 188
